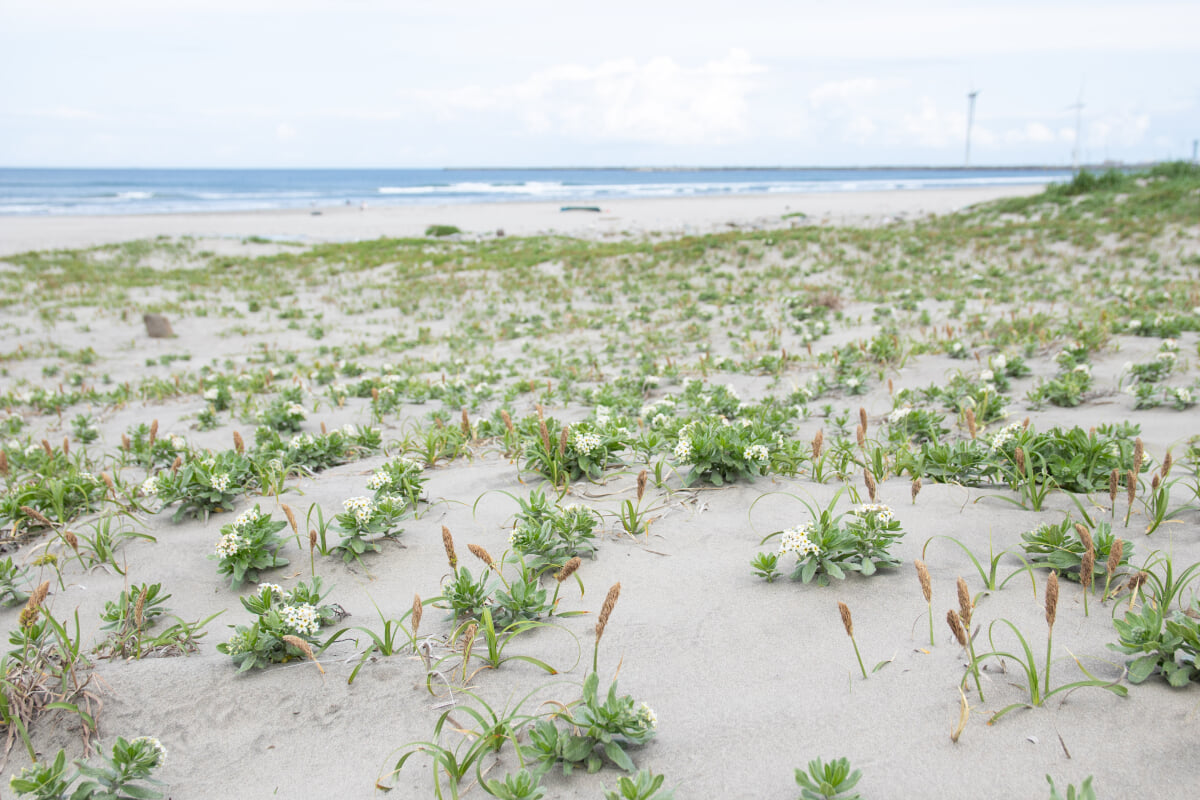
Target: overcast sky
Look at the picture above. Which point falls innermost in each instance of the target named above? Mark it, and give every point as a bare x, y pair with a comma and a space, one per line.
405, 83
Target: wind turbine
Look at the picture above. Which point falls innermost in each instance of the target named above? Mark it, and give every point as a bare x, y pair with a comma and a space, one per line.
1078, 108
970, 121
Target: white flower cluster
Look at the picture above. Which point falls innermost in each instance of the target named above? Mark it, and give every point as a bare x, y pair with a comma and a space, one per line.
1084, 369
220, 482
150, 486
683, 451
898, 415
378, 480
276, 589
756, 452
1169, 345
300, 618
301, 440
646, 714
230, 544
1004, 436
585, 443
603, 415
883, 513
361, 507
155, 745
795, 540
1000, 363
178, 443
1166, 356
211, 394
246, 518
1182, 395
987, 376
296, 410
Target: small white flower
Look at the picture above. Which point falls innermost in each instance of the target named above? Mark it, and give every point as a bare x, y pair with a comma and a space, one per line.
150, 486
646, 713
585, 443
230, 544
1083, 369
246, 517
795, 540
987, 376
220, 482
999, 363
756, 452
1134, 324
156, 745
301, 618
211, 394
683, 451
276, 589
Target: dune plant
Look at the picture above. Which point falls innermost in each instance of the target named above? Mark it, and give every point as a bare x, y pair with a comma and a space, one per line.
833, 780
364, 517
249, 545
1039, 686
719, 452
285, 627
123, 775
643, 786
1085, 791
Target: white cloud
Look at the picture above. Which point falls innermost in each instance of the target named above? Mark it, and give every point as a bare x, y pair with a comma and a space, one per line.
657, 100
284, 132
933, 127
848, 92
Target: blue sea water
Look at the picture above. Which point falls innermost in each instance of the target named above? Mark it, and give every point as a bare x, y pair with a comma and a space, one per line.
154, 191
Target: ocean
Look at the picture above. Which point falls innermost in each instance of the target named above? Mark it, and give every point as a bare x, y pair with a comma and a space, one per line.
41, 192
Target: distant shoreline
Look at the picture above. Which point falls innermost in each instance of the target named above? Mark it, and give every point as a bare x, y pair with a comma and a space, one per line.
619, 218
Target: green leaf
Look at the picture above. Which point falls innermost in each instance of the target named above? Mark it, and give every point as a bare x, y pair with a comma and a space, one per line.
1142, 668
619, 756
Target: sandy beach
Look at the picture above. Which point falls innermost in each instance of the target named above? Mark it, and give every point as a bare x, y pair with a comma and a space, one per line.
687, 216
748, 679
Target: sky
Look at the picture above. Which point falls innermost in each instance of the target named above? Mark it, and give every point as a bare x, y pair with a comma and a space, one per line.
411, 83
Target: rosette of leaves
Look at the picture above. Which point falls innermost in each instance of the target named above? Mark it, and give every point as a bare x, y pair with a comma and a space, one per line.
204, 485
315, 452
298, 613
1166, 646
968, 462
874, 529
399, 477
597, 730
466, 595
1075, 460
721, 452
120, 616
365, 518
916, 426
119, 776
249, 545
283, 414
828, 781
1058, 547
546, 539
591, 448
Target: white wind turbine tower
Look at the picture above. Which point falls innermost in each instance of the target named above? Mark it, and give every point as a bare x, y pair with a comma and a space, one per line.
1078, 108
970, 121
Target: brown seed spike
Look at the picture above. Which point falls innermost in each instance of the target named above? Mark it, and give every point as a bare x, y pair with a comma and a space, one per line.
1019, 457
1114, 485
72, 540
847, 622
47, 448
66, 446
643, 476
1115, 554
610, 601
108, 481
312, 539
176, 464
916, 488
1130, 486
568, 569
482, 555
869, 480
508, 423
153, 432
923, 577
125, 443
563, 438
817, 441
139, 608
1051, 599
862, 418
466, 425
305, 648
418, 609
3, 464
1166, 465
1139, 454
34, 514
448, 543
965, 606
238, 443
324, 430
1087, 566
291, 518
1085, 536
972, 427
956, 627
860, 435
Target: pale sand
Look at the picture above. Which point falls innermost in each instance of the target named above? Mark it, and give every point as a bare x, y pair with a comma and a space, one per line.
749, 680
617, 217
